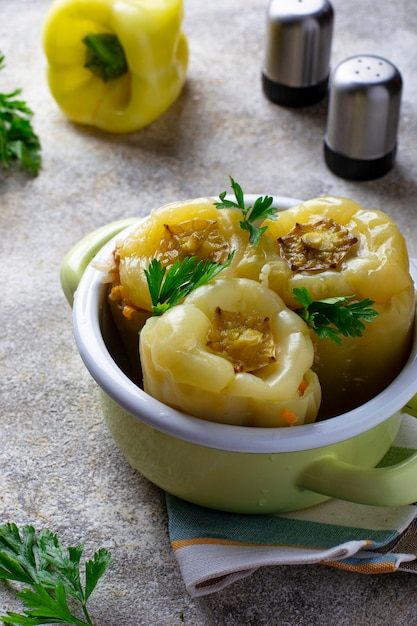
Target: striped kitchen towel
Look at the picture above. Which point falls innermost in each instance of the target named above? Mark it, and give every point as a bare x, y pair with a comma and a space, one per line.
215, 549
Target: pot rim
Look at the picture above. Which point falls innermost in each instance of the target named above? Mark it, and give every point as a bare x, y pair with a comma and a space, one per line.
88, 302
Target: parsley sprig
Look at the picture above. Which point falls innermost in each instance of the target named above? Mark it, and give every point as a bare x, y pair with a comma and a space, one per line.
168, 287
332, 317
39, 560
18, 141
261, 210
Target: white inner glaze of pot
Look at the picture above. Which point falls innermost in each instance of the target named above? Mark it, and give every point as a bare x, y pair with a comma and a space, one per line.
88, 302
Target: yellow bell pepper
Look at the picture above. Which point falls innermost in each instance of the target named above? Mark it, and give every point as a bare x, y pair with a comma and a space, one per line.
256, 371
374, 265
171, 233
115, 64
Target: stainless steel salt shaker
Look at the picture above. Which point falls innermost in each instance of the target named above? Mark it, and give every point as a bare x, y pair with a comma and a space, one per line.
360, 140
298, 45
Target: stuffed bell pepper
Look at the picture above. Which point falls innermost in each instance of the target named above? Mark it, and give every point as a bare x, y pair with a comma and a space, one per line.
333, 247
342, 269
115, 65
232, 352
171, 233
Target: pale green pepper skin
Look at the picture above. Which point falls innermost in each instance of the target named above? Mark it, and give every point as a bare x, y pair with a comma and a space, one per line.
155, 49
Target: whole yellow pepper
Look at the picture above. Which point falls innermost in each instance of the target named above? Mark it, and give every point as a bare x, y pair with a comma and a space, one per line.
115, 64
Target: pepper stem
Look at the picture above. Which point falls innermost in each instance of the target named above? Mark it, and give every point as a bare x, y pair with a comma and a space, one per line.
105, 56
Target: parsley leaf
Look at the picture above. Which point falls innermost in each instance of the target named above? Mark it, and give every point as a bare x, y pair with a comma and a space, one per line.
332, 317
18, 141
168, 287
53, 573
261, 210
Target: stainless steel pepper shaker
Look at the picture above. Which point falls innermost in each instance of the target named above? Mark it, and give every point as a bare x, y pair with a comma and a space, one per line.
360, 140
298, 45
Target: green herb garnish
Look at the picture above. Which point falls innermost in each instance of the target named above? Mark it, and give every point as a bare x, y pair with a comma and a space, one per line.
168, 287
261, 210
18, 141
332, 317
53, 573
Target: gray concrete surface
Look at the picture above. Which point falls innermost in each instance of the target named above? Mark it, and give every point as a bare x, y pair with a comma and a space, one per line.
59, 468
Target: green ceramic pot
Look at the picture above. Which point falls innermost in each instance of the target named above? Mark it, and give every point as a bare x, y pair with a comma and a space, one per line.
232, 468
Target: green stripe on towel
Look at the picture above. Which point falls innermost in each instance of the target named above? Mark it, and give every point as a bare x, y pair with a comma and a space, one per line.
189, 521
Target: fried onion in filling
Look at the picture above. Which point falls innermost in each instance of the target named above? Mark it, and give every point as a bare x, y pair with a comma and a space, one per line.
316, 246
196, 237
246, 341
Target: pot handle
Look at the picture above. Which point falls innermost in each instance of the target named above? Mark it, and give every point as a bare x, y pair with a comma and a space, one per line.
80, 255
395, 485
